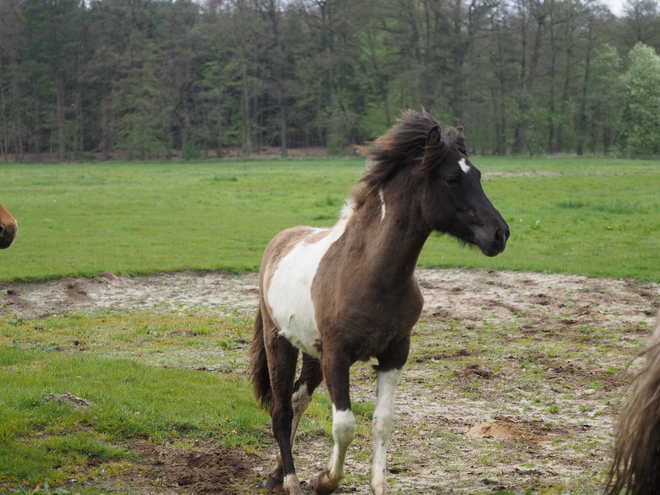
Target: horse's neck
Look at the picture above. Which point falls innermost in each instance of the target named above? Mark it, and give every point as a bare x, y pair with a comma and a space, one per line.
393, 236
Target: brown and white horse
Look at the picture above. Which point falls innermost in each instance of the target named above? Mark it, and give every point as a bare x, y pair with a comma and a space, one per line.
636, 466
349, 292
8, 228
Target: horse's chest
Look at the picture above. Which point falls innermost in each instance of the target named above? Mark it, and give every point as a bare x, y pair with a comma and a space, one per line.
366, 324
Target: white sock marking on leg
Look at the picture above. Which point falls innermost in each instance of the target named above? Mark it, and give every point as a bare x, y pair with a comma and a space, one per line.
300, 402
343, 433
386, 384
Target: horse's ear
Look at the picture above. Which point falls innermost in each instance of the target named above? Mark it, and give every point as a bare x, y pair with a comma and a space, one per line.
433, 138
460, 129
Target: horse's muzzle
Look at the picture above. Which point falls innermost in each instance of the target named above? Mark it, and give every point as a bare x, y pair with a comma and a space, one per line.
7, 236
492, 245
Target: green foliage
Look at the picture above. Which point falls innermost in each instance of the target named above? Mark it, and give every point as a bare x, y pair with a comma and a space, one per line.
191, 152
604, 101
588, 216
53, 37
139, 103
336, 145
141, 79
641, 100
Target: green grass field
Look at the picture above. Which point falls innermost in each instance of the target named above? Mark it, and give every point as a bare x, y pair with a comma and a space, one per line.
597, 217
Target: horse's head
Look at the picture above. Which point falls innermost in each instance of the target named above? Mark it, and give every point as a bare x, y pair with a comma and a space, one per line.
8, 228
454, 201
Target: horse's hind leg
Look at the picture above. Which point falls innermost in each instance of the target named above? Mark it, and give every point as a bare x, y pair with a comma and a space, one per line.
310, 378
282, 358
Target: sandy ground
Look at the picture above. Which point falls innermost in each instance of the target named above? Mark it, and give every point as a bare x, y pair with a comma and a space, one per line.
545, 360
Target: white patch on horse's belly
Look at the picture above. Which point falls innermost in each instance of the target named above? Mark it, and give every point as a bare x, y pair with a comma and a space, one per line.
290, 293
464, 166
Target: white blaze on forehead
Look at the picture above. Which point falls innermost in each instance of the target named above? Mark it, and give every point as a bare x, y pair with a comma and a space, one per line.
464, 166
290, 293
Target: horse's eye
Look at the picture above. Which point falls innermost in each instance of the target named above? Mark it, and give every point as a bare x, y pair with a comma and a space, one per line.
453, 181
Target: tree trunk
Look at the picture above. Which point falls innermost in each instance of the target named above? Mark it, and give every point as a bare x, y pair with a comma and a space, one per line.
582, 120
247, 126
61, 121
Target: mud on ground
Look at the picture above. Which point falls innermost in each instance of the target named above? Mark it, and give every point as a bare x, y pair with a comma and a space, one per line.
544, 360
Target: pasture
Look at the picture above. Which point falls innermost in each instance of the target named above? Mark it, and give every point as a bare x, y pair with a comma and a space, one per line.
596, 217
163, 358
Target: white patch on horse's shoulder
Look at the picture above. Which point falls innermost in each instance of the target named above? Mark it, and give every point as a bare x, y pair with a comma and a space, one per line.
289, 295
464, 166
382, 204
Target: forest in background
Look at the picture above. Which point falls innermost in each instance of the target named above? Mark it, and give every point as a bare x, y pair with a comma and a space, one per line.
141, 79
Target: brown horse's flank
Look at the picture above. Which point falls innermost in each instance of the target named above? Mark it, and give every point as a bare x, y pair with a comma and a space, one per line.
349, 293
8, 228
636, 465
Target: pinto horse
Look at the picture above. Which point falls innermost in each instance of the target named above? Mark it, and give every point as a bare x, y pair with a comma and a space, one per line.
349, 292
8, 228
635, 468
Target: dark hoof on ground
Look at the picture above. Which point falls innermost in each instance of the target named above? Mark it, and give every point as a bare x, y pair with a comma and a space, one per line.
274, 484
323, 485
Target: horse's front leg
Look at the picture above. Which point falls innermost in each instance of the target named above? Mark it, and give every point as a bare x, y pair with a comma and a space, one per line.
390, 366
383, 420
336, 372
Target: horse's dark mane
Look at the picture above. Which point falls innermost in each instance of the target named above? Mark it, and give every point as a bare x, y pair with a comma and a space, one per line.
404, 146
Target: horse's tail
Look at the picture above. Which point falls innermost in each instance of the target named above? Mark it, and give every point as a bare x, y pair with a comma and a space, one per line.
636, 466
259, 374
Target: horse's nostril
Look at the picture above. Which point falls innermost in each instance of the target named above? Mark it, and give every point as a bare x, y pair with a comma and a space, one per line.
2, 230
501, 236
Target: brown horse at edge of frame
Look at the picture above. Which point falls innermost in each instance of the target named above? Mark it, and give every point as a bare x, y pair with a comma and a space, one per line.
8, 228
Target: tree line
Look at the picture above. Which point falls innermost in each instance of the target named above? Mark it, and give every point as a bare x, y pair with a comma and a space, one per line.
139, 79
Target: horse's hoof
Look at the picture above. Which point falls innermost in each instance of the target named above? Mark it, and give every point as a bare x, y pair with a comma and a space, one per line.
292, 485
324, 485
274, 483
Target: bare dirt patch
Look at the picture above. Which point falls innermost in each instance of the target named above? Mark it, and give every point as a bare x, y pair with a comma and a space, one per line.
503, 430
550, 355
205, 467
